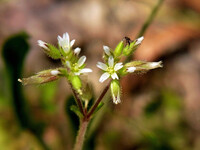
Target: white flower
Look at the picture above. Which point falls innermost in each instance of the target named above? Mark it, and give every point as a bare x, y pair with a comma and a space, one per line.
55, 72
42, 44
77, 68
116, 99
139, 40
106, 50
77, 51
65, 42
131, 69
115, 91
110, 69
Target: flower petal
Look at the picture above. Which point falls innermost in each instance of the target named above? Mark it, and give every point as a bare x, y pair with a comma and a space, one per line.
131, 69
110, 61
102, 66
77, 51
107, 50
42, 44
139, 40
85, 70
81, 61
72, 43
104, 77
114, 76
55, 72
118, 66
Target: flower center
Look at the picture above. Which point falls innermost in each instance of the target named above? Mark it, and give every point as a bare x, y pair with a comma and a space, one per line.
110, 70
75, 67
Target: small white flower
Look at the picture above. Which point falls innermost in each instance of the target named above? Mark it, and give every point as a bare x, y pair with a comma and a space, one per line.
155, 64
131, 69
139, 40
106, 50
77, 51
110, 69
65, 42
117, 99
55, 72
77, 68
115, 91
42, 44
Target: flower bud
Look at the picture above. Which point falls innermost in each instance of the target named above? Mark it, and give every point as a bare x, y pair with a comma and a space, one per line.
141, 66
42, 77
50, 50
129, 49
118, 49
115, 91
76, 83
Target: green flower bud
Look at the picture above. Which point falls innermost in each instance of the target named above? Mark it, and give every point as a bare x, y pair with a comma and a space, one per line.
50, 50
115, 91
76, 83
129, 49
141, 66
118, 49
42, 77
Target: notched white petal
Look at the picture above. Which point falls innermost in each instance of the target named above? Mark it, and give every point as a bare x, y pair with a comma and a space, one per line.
85, 70
118, 66
102, 66
107, 50
110, 61
104, 77
115, 76
81, 61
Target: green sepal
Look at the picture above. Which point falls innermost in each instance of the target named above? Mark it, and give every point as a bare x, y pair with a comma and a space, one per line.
76, 111
118, 49
129, 49
76, 82
52, 52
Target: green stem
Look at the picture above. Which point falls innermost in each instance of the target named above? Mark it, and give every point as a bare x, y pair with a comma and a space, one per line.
78, 100
150, 18
81, 135
147, 23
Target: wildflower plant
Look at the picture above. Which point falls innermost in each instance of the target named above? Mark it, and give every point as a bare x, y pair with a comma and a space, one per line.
74, 66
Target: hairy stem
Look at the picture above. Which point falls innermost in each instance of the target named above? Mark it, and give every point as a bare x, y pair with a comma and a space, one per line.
81, 135
78, 100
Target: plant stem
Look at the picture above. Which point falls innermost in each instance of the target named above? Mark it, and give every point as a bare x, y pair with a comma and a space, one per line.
150, 18
98, 101
78, 100
147, 23
81, 135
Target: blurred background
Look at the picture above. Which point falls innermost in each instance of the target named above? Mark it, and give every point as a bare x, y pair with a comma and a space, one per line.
160, 110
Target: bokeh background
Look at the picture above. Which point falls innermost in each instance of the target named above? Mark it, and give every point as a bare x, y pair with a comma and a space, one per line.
160, 110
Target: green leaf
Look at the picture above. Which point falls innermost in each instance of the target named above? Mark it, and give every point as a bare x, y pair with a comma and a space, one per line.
76, 111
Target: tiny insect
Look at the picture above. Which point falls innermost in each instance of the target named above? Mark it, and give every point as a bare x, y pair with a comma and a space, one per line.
128, 40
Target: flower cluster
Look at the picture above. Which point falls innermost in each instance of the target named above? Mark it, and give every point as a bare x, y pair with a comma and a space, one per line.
115, 69
74, 66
